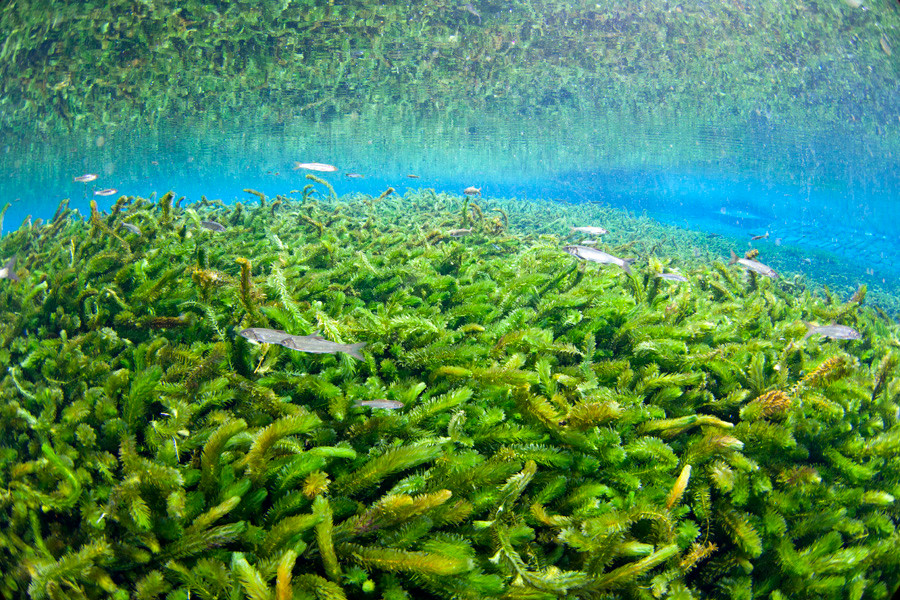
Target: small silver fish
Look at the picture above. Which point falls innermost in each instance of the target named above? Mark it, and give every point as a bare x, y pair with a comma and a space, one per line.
597, 256
472, 191
355, 176
132, 228
459, 232
472, 11
314, 344
590, 230
672, 276
8, 271
212, 226
833, 331
86, 178
755, 266
381, 403
263, 335
321, 167
765, 236
106, 192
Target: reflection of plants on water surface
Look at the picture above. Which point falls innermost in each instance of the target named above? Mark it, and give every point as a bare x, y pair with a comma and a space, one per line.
87, 65
567, 429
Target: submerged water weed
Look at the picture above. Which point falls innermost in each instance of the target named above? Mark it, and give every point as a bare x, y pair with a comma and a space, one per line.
567, 429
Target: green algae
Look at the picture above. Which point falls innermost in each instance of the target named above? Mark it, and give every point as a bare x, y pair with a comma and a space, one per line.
91, 65
568, 430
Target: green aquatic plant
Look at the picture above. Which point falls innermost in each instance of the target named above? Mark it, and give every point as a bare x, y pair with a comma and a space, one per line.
564, 432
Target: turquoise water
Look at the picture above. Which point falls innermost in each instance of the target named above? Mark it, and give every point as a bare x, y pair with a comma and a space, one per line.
830, 198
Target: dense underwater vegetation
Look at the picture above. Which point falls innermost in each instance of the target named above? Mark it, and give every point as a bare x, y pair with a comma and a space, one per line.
523, 424
567, 429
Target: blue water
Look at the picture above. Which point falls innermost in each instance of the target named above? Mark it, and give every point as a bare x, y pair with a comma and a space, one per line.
831, 199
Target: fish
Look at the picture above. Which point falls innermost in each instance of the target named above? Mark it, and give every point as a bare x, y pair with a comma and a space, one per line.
472, 191
314, 344
86, 178
263, 335
132, 228
471, 10
765, 236
833, 331
459, 232
355, 176
324, 168
671, 276
590, 230
8, 271
212, 226
753, 265
106, 192
597, 256
587, 243
411, 176
381, 403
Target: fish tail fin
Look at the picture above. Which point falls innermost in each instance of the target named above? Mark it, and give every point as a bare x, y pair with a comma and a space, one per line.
809, 329
626, 265
353, 350
734, 258
10, 269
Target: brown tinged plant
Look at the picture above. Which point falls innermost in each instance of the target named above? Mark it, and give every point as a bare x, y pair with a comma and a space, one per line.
771, 405
831, 369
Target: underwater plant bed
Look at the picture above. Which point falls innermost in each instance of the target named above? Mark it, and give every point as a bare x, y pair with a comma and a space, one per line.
522, 424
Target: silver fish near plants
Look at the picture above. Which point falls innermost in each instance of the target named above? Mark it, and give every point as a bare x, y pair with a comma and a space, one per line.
597, 256
671, 276
459, 232
314, 166
833, 331
314, 344
132, 228
755, 266
381, 403
8, 271
588, 230
263, 335
212, 226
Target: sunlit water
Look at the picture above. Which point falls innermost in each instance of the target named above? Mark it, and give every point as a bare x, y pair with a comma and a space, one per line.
834, 204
